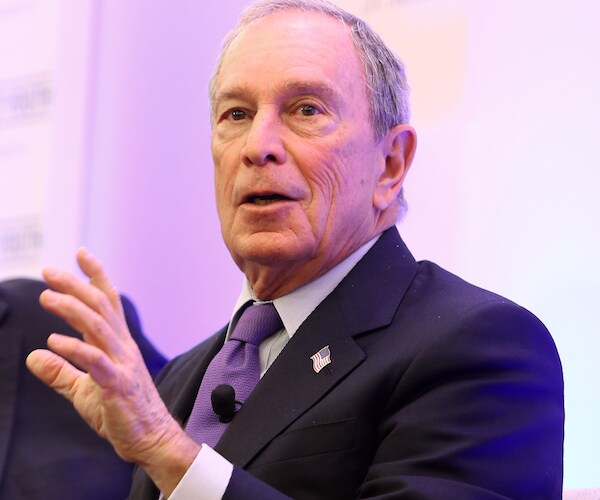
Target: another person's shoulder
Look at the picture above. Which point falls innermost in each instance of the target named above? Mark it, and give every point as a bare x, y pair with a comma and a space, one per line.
21, 291
19, 305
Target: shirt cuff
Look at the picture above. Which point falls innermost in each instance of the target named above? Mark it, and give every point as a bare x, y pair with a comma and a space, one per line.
207, 478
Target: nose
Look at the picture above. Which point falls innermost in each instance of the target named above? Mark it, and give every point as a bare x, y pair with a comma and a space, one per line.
264, 143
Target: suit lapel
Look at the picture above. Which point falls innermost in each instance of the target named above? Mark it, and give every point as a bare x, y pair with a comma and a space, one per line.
10, 357
365, 300
270, 409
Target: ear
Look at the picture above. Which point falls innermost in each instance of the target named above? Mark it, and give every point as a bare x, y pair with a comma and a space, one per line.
399, 149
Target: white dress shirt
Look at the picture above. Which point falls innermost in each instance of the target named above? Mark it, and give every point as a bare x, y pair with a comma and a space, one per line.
208, 476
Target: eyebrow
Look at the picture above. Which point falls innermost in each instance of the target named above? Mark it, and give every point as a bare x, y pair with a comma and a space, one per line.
308, 87
289, 87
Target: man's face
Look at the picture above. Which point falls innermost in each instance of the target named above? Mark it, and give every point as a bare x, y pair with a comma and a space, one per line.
296, 164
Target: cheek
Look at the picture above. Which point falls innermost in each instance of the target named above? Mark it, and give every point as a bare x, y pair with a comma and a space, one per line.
219, 180
334, 173
328, 189
342, 185
225, 164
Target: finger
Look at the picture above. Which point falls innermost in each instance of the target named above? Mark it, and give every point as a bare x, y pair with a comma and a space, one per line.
94, 270
95, 328
95, 299
91, 359
53, 371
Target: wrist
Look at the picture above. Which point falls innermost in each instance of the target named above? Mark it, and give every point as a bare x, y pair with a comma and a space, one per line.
171, 458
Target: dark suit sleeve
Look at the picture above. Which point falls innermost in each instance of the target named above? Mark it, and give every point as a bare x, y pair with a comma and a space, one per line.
244, 485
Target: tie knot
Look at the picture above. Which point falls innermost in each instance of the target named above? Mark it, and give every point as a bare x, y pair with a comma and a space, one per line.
256, 323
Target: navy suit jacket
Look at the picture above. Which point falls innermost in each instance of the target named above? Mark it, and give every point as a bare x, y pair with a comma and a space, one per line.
47, 451
436, 389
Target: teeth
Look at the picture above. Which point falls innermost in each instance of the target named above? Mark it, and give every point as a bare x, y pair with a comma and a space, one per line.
265, 200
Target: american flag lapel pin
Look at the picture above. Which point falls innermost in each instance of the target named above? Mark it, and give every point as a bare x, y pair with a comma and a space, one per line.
321, 359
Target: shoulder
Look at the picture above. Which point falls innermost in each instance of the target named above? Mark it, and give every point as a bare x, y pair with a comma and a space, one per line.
451, 317
439, 321
448, 297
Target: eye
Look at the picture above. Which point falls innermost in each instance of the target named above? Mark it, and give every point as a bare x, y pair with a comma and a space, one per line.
237, 114
307, 110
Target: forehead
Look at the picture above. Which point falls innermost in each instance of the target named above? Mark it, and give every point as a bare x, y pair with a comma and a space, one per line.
291, 49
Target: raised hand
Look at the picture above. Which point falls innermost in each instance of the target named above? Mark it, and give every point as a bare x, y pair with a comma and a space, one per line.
105, 377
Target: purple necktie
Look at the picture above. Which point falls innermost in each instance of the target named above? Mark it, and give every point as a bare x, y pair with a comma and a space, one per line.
236, 364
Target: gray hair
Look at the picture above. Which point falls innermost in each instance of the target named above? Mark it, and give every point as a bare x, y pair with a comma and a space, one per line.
385, 77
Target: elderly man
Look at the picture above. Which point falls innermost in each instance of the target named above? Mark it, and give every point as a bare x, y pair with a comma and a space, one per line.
379, 376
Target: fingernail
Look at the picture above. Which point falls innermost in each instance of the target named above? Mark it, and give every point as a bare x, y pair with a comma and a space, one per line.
53, 339
84, 252
51, 272
49, 297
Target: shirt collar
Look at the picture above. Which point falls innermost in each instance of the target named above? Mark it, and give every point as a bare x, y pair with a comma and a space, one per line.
297, 305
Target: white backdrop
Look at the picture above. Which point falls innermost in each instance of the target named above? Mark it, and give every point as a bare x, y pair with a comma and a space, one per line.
26, 100
502, 191
46, 68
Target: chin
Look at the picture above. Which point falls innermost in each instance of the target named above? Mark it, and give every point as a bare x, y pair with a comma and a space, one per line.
272, 249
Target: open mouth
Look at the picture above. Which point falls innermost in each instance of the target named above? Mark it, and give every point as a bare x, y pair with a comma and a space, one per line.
265, 199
